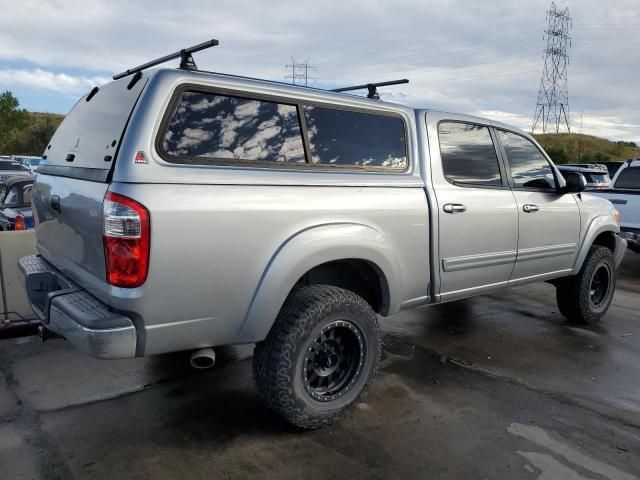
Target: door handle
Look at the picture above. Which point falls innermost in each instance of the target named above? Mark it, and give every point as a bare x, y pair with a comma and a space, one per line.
454, 208
530, 208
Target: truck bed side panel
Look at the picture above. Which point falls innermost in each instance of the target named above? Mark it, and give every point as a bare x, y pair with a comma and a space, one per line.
210, 245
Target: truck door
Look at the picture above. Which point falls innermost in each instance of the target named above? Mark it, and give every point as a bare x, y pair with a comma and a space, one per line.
477, 215
549, 221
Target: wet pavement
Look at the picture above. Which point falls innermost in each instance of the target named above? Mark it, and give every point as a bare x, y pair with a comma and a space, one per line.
491, 387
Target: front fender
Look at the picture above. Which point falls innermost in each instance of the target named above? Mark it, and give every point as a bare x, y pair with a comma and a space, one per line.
308, 249
600, 224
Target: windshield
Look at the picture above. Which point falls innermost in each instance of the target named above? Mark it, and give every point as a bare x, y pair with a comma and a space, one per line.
597, 178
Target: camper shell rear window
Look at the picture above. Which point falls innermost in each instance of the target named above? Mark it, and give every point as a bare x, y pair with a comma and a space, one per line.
86, 143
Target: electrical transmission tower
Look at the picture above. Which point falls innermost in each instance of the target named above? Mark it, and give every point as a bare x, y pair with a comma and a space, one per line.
552, 108
299, 71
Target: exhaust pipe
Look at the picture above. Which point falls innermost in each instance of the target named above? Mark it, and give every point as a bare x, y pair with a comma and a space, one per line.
203, 358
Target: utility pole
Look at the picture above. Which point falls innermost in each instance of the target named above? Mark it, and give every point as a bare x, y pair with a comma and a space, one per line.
299, 71
552, 107
580, 137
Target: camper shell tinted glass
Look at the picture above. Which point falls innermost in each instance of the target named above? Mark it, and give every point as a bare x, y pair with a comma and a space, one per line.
86, 143
210, 127
346, 137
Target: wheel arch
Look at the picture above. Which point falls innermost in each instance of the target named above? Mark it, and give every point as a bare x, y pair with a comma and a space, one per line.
334, 254
603, 231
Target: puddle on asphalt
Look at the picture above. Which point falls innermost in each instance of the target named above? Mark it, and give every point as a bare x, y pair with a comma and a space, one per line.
549, 465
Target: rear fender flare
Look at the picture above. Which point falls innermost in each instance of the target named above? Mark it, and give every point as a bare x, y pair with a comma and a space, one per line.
308, 249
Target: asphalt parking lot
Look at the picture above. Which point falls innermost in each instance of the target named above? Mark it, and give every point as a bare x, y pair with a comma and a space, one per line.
492, 387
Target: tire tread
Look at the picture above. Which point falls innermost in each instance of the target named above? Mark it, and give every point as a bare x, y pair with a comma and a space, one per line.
273, 362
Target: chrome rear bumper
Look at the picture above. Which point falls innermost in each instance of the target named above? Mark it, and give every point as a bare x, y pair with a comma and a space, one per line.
75, 314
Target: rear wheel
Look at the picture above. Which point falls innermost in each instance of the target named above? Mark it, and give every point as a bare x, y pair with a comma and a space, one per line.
319, 357
586, 297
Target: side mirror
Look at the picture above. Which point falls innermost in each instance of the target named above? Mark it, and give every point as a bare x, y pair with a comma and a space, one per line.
576, 183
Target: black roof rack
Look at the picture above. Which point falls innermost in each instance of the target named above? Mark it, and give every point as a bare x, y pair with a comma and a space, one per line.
372, 87
186, 60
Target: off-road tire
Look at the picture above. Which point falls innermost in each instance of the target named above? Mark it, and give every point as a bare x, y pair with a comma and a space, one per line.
575, 295
279, 361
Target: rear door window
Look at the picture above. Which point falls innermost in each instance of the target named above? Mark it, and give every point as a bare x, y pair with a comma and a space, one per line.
468, 154
352, 138
529, 168
629, 178
208, 128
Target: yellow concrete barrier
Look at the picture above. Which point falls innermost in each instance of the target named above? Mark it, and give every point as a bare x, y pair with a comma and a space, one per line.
13, 246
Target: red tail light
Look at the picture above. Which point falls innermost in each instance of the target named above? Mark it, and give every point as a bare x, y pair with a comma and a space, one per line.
19, 222
126, 240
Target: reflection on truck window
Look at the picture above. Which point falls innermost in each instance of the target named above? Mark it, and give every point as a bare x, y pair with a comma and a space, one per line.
468, 154
344, 137
207, 125
629, 178
529, 168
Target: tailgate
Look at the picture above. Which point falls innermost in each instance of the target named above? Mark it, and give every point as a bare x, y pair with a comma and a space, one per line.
73, 180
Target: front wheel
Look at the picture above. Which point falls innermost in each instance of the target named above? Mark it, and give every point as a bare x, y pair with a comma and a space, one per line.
586, 297
319, 357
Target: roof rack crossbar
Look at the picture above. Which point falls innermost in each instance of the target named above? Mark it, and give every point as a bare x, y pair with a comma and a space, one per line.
372, 87
186, 60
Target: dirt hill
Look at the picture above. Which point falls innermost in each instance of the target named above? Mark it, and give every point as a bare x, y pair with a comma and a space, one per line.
575, 148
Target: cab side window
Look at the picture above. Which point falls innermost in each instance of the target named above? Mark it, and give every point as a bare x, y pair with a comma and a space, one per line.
468, 155
529, 168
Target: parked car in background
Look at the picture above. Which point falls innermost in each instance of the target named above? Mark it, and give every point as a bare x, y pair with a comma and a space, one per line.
15, 203
10, 168
596, 175
30, 162
625, 196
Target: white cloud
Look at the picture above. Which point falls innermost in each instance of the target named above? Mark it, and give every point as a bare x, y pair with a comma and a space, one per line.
460, 55
46, 80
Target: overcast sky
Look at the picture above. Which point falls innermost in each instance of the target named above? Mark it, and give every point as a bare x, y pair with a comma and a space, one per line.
482, 58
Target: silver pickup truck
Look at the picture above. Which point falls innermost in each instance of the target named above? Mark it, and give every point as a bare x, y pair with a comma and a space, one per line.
180, 210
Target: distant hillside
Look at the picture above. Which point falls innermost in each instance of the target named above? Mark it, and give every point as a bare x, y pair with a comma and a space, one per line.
575, 148
33, 138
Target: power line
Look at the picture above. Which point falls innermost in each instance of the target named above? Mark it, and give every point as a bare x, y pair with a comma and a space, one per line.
552, 107
299, 71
